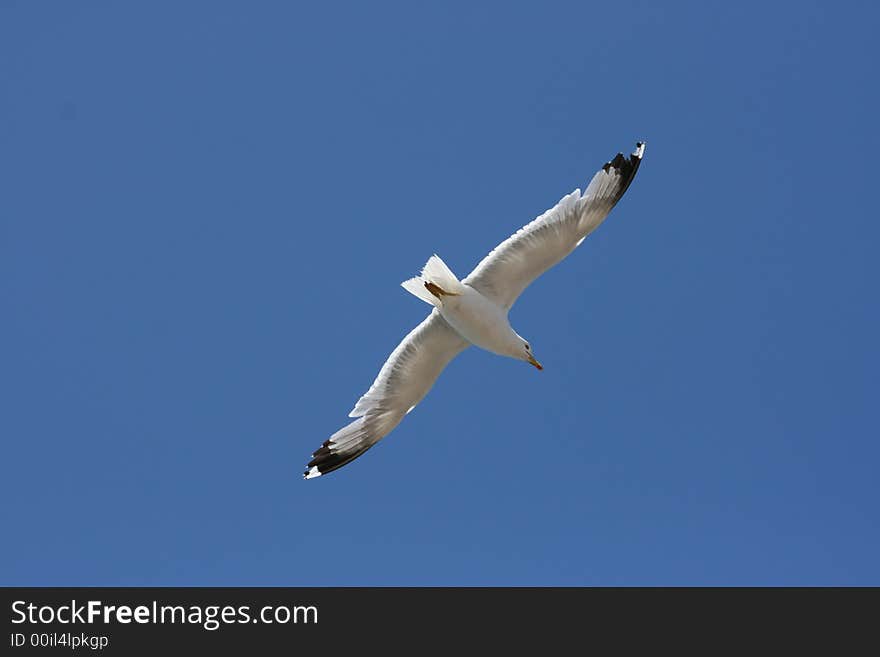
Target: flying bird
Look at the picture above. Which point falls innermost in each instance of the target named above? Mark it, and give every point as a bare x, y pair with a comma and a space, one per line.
473, 311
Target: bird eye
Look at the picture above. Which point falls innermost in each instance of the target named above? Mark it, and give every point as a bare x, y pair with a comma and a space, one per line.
528, 348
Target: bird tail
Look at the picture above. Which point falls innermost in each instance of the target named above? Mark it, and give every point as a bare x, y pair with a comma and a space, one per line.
435, 282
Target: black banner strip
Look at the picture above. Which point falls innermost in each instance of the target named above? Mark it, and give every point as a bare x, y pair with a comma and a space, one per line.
244, 620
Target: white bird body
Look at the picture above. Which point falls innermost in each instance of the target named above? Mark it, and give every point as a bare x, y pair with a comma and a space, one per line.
472, 311
475, 317
480, 321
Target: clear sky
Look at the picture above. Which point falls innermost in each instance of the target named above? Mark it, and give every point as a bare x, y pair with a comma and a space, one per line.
207, 209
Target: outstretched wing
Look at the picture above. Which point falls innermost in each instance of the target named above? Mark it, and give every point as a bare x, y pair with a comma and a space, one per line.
533, 249
405, 378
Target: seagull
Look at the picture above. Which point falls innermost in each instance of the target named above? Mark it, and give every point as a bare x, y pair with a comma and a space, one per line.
473, 311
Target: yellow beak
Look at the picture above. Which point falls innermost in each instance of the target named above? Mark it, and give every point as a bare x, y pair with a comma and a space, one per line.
535, 363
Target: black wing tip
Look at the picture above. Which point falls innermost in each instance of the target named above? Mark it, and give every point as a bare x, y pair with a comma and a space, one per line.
625, 167
325, 460
622, 163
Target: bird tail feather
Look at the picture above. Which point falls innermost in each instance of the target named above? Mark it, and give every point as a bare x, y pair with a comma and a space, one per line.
435, 282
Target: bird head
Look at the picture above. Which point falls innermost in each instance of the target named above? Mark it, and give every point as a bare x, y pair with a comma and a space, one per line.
528, 356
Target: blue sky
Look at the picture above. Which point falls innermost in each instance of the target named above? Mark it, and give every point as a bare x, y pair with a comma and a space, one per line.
206, 212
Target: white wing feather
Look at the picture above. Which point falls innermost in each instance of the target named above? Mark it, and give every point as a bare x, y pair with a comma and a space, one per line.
537, 246
405, 378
